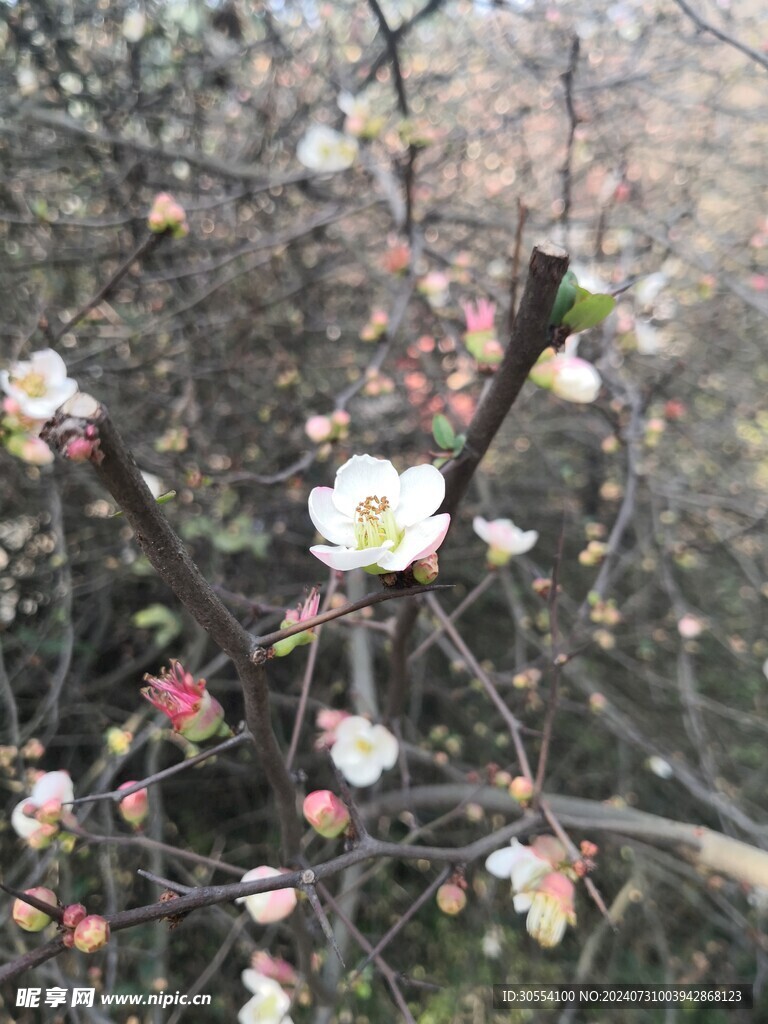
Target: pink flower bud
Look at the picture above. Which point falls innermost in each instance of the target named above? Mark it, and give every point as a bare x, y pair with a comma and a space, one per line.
327, 815
134, 808
451, 898
274, 967
318, 429
30, 918
521, 789
80, 449
425, 570
92, 933
42, 837
49, 813
328, 722
73, 915
267, 907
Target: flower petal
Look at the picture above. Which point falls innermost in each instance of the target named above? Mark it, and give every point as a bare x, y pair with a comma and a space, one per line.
362, 477
348, 558
327, 519
482, 528
422, 489
21, 823
419, 541
50, 365
501, 862
522, 902
386, 746
53, 786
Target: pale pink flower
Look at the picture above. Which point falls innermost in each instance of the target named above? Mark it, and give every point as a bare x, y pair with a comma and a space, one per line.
167, 214
274, 967
379, 520
689, 626
267, 907
504, 539
318, 429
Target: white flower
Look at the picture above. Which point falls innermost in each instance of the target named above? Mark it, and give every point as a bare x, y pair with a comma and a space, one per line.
39, 385
325, 150
522, 866
51, 786
269, 1004
379, 521
661, 768
503, 538
134, 25
362, 751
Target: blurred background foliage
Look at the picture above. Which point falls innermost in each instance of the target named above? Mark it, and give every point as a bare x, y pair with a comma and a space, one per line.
624, 132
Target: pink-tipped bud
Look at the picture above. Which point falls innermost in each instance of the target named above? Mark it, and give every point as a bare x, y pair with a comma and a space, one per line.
451, 898
49, 813
328, 722
274, 967
318, 429
92, 933
73, 915
30, 918
425, 570
134, 808
80, 449
327, 815
267, 907
42, 837
521, 789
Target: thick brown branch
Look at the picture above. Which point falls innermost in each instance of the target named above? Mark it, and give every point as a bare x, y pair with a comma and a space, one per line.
529, 339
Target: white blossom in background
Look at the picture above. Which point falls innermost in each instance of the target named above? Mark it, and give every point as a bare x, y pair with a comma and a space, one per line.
134, 26
326, 151
269, 1004
504, 539
52, 788
660, 768
376, 519
362, 751
39, 385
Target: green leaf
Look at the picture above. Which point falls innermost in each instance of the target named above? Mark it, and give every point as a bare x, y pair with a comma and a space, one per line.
565, 298
458, 445
589, 312
442, 431
164, 623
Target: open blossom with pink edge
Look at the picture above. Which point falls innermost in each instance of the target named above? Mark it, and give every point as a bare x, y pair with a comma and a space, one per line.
503, 538
267, 907
192, 710
39, 385
269, 1004
362, 751
550, 908
379, 521
52, 792
546, 894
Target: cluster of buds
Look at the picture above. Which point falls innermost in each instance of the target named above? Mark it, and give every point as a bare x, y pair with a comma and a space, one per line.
527, 679
79, 929
167, 215
376, 327
377, 383
72, 430
397, 258
307, 610
602, 612
20, 436
335, 427
593, 553
586, 862
327, 815
480, 335
193, 712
